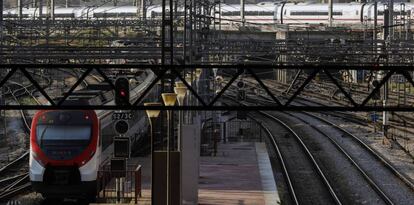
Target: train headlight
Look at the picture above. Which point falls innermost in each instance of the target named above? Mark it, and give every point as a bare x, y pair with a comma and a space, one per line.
91, 154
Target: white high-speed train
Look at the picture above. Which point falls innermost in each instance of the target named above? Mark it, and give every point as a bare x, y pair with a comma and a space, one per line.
262, 13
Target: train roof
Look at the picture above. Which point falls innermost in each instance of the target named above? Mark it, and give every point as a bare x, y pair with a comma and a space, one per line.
264, 6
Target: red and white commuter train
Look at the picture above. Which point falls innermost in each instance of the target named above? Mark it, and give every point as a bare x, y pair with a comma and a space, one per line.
261, 13
65, 152
67, 148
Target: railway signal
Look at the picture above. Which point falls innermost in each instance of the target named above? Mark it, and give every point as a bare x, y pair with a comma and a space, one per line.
122, 91
240, 84
121, 147
241, 95
121, 127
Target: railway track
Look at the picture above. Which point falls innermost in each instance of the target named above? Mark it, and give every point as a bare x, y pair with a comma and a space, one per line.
300, 169
396, 125
17, 184
395, 179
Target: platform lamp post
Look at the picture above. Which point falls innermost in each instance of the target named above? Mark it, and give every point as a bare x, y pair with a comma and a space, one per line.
198, 75
169, 100
152, 116
189, 80
181, 91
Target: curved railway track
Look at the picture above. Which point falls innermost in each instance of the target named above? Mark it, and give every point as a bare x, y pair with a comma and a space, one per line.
16, 184
395, 179
300, 169
399, 125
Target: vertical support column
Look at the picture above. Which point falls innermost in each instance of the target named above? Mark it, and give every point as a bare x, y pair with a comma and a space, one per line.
1, 28
171, 26
67, 3
190, 162
242, 18
385, 113
51, 9
185, 35
391, 19
143, 9
40, 9
375, 22
330, 12
20, 9
386, 24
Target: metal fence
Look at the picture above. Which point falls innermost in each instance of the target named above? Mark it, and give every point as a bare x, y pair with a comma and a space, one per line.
231, 131
243, 131
112, 189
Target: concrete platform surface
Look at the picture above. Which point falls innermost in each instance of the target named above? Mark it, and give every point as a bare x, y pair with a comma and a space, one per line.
240, 174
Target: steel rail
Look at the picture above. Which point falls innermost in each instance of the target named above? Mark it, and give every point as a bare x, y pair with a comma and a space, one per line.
281, 161
309, 154
370, 181
374, 153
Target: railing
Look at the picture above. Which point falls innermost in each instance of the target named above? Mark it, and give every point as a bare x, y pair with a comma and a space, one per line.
138, 182
111, 188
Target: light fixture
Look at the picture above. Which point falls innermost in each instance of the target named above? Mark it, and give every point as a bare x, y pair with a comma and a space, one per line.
215, 71
180, 91
198, 72
152, 113
188, 79
169, 98
179, 84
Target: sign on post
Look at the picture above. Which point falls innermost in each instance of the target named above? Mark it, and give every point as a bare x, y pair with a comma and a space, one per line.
122, 116
121, 147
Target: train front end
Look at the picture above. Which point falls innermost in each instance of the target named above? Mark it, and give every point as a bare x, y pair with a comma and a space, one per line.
64, 153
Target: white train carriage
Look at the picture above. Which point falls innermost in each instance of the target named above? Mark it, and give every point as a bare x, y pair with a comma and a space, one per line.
262, 13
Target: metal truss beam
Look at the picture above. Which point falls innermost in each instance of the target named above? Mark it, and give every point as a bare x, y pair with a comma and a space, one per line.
175, 71
280, 66
211, 108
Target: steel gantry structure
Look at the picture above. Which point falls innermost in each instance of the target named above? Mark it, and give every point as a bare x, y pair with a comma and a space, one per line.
177, 72
172, 47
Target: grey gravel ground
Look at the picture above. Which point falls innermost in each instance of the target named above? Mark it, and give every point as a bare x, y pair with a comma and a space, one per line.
384, 178
309, 187
392, 152
349, 184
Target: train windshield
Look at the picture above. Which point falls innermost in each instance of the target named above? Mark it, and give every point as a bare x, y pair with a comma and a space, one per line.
63, 142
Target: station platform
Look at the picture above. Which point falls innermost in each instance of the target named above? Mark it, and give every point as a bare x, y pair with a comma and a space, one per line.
241, 173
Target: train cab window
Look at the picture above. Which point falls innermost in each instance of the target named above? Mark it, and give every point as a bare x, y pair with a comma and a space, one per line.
62, 142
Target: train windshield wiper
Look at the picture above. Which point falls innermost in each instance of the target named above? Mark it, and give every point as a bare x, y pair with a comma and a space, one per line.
43, 133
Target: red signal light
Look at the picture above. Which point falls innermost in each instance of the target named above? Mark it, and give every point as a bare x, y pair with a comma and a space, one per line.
122, 93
